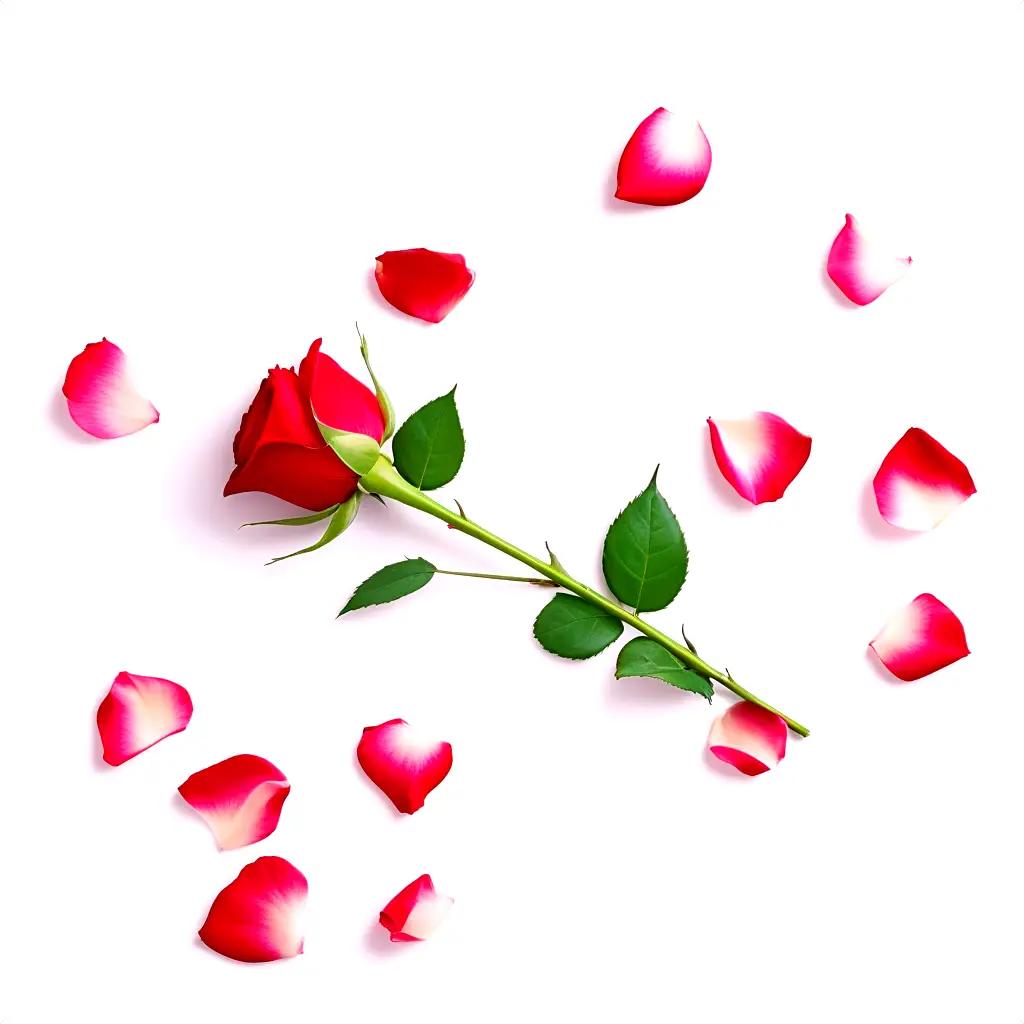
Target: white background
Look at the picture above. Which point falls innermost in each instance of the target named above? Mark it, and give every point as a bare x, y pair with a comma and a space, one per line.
207, 184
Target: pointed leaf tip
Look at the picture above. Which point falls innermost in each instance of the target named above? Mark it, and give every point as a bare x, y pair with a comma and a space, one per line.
390, 583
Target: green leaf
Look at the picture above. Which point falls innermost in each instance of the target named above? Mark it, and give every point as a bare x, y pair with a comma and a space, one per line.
573, 628
429, 445
645, 657
358, 451
313, 517
391, 583
644, 553
341, 520
382, 399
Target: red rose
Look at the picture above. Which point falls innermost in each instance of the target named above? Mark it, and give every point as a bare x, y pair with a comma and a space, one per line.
279, 448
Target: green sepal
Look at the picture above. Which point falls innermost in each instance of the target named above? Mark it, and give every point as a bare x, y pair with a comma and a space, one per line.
573, 628
430, 446
359, 452
390, 583
340, 521
382, 398
313, 517
645, 657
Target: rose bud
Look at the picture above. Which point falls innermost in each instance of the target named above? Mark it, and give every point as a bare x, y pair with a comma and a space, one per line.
279, 448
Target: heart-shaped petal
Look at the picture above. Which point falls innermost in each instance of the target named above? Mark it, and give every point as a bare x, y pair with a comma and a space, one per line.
258, 917
415, 913
919, 482
405, 765
101, 398
138, 712
760, 456
240, 799
750, 738
920, 639
423, 283
859, 269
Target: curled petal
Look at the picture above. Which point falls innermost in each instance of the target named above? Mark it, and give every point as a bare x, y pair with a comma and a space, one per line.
920, 639
240, 799
337, 398
258, 917
857, 267
101, 398
760, 456
404, 765
415, 912
919, 482
423, 283
138, 712
750, 738
666, 161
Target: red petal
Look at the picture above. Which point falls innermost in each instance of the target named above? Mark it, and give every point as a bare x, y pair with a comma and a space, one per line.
258, 917
423, 283
415, 912
405, 766
748, 737
101, 398
759, 456
920, 639
240, 799
858, 268
666, 161
919, 482
337, 398
138, 712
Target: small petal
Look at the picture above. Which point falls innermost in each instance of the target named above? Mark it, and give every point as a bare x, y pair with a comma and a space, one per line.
666, 161
101, 398
423, 283
258, 917
750, 738
240, 799
415, 912
920, 639
919, 482
138, 712
760, 456
404, 765
857, 267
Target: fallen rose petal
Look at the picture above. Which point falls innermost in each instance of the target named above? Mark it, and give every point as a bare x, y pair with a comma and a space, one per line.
415, 912
858, 268
920, 639
919, 482
760, 456
750, 738
403, 764
138, 712
240, 799
258, 917
101, 398
666, 161
423, 283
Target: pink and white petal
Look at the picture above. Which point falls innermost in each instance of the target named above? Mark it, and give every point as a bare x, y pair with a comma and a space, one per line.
750, 738
760, 456
405, 765
859, 268
415, 913
101, 398
259, 916
138, 712
240, 799
666, 161
920, 482
920, 639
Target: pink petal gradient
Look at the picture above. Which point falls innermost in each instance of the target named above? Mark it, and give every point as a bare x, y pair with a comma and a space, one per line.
666, 161
760, 456
138, 712
240, 799
919, 482
405, 765
101, 398
415, 913
259, 916
920, 639
422, 283
748, 737
858, 268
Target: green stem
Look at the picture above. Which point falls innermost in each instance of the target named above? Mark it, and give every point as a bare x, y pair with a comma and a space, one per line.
385, 480
495, 576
